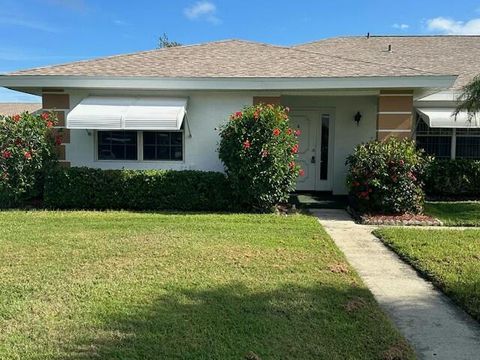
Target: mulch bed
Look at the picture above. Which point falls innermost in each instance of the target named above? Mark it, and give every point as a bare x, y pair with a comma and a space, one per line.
402, 220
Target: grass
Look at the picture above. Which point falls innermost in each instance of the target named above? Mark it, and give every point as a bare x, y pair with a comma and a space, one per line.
120, 285
450, 258
455, 213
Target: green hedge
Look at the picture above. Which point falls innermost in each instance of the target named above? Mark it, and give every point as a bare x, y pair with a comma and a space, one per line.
87, 188
453, 178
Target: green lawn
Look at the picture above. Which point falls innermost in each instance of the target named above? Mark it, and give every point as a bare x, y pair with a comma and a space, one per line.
120, 285
450, 258
455, 213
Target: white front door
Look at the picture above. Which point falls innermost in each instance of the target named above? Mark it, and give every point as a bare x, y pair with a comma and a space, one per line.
314, 148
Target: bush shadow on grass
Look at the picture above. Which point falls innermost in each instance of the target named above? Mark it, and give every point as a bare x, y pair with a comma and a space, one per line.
235, 322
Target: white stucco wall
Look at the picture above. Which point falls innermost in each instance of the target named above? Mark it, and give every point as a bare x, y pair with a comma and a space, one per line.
208, 110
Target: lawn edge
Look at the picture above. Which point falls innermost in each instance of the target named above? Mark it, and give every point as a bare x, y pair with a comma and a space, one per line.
425, 275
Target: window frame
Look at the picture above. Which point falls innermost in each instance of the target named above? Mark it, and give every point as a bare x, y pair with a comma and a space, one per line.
140, 148
453, 135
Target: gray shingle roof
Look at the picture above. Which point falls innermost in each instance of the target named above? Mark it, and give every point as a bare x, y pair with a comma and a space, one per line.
441, 54
9, 109
231, 58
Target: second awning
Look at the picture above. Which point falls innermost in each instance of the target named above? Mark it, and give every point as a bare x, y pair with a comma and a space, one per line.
443, 118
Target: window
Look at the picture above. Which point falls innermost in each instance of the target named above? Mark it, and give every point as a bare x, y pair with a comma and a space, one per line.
117, 145
446, 143
324, 147
468, 144
163, 145
435, 141
125, 145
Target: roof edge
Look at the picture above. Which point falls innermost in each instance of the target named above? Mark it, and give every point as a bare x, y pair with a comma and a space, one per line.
230, 83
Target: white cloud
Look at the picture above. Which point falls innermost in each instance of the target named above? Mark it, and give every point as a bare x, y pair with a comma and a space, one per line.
120, 22
203, 10
401, 26
29, 24
454, 27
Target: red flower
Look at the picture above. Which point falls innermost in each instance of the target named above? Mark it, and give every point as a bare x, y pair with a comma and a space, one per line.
276, 131
298, 132
291, 165
18, 141
256, 114
236, 115
49, 124
58, 140
45, 116
246, 144
28, 155
355, 183
401, 162
295, 148
301, 172
289, 131
6, 154
16, 118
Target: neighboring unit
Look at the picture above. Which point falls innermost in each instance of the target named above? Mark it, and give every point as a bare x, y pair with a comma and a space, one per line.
161, 109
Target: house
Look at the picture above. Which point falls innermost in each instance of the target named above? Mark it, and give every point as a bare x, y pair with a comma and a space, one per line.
9, 109
162, 108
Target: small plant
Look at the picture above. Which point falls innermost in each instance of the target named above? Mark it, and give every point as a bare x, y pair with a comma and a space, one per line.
387, 177
259, 151
26, 150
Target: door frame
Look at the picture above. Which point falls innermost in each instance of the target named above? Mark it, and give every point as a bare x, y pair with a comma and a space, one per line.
322, 185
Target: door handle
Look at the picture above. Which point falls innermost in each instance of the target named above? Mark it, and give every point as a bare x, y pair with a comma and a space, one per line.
313, 160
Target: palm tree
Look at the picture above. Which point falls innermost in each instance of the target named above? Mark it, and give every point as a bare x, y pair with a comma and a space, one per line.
469, 100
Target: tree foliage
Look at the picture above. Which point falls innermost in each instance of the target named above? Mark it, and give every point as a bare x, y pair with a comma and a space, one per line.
26, 149
165, 42
469, 100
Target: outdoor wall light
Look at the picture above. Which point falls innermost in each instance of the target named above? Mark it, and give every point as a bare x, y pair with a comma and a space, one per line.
357, 117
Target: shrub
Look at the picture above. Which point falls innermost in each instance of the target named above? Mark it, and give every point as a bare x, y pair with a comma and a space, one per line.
387, 177
453, 178
26, 150
259, 151
87, 188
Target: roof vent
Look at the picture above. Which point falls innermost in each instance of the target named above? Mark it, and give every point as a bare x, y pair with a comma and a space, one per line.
389, 47
368, 35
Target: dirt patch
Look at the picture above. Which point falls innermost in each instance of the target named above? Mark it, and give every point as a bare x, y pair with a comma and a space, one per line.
355, 304
339, 268
399, 351
252, 356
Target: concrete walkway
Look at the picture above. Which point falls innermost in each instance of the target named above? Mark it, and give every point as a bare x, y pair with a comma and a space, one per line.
433, 325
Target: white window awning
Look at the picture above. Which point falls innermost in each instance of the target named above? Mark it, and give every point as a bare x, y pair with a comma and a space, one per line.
442, 118
128, 113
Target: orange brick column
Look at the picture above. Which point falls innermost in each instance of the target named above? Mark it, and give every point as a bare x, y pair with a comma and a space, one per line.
59, 102
395, 114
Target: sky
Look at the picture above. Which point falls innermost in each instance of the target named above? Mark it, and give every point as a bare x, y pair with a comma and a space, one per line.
44, 32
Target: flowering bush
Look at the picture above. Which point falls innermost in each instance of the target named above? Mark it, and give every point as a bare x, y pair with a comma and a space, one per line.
259, 151
26, 149
387, 177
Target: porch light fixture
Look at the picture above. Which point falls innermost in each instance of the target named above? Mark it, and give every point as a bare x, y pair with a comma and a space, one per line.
357, 117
